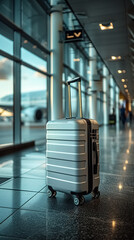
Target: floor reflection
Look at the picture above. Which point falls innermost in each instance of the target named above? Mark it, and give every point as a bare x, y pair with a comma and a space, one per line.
27, 213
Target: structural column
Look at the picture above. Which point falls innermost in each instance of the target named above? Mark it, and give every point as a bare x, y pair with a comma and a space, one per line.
112, 95
65, 102
56, 60
93, 71
106, 94
17, 76
117, 103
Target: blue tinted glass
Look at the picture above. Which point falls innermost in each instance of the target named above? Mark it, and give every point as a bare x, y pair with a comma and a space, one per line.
6, 8
6, 39
33, 59
34, 21
6, 101
33, 104
6, 44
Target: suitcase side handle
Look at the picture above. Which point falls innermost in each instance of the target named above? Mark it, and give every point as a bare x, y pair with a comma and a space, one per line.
78, 79
97, 157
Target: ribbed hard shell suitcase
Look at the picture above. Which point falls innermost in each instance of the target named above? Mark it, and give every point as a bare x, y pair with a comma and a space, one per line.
72, 150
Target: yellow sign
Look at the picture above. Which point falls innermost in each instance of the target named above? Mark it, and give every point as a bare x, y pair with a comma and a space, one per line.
75, 35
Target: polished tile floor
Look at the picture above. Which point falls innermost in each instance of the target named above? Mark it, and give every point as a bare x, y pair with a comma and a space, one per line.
27, 213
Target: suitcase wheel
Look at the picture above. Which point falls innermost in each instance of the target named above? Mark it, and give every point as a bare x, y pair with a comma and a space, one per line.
51, 193
96, 193
79, 200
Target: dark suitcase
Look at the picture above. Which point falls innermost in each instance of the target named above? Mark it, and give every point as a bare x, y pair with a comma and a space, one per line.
112, 119
72, 150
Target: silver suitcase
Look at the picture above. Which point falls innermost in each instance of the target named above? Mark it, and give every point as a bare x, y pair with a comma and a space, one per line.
72, 151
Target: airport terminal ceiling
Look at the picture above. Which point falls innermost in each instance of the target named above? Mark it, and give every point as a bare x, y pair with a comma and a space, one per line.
116, 45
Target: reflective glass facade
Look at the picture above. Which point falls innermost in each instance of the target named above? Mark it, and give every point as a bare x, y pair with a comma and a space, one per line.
25, 72
6, 101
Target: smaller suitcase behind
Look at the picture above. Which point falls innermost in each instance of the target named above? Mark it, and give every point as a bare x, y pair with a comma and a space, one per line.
72, 150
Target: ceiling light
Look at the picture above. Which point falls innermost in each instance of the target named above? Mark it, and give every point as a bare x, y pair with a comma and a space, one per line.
106, 26
120, 186
115, 58
25, 41
126, 90
76, 59
125, 86
123, 80
124, 168
113, 224
121, 71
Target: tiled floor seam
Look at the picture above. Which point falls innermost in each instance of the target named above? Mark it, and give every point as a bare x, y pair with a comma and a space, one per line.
21, 206
33, 168
14, 189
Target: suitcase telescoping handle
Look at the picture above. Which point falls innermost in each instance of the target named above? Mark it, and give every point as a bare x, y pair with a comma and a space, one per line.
78, 79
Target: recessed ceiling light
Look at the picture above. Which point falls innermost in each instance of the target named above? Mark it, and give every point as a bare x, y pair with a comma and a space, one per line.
106, 26
123, 80
115, 57
120, 186
126, 90
125, 86
113, 224
121, 71
124, 168
25, 41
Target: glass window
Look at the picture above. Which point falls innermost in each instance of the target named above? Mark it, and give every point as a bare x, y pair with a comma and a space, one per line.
34, 21
83, 85
117, 103
74, 93
87, 106
6, 8
81, 70
99, 65
72, 58
86, 69
6, 101
33, 104
33, 55
6, 39
83, 104
111, 95
66, 17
